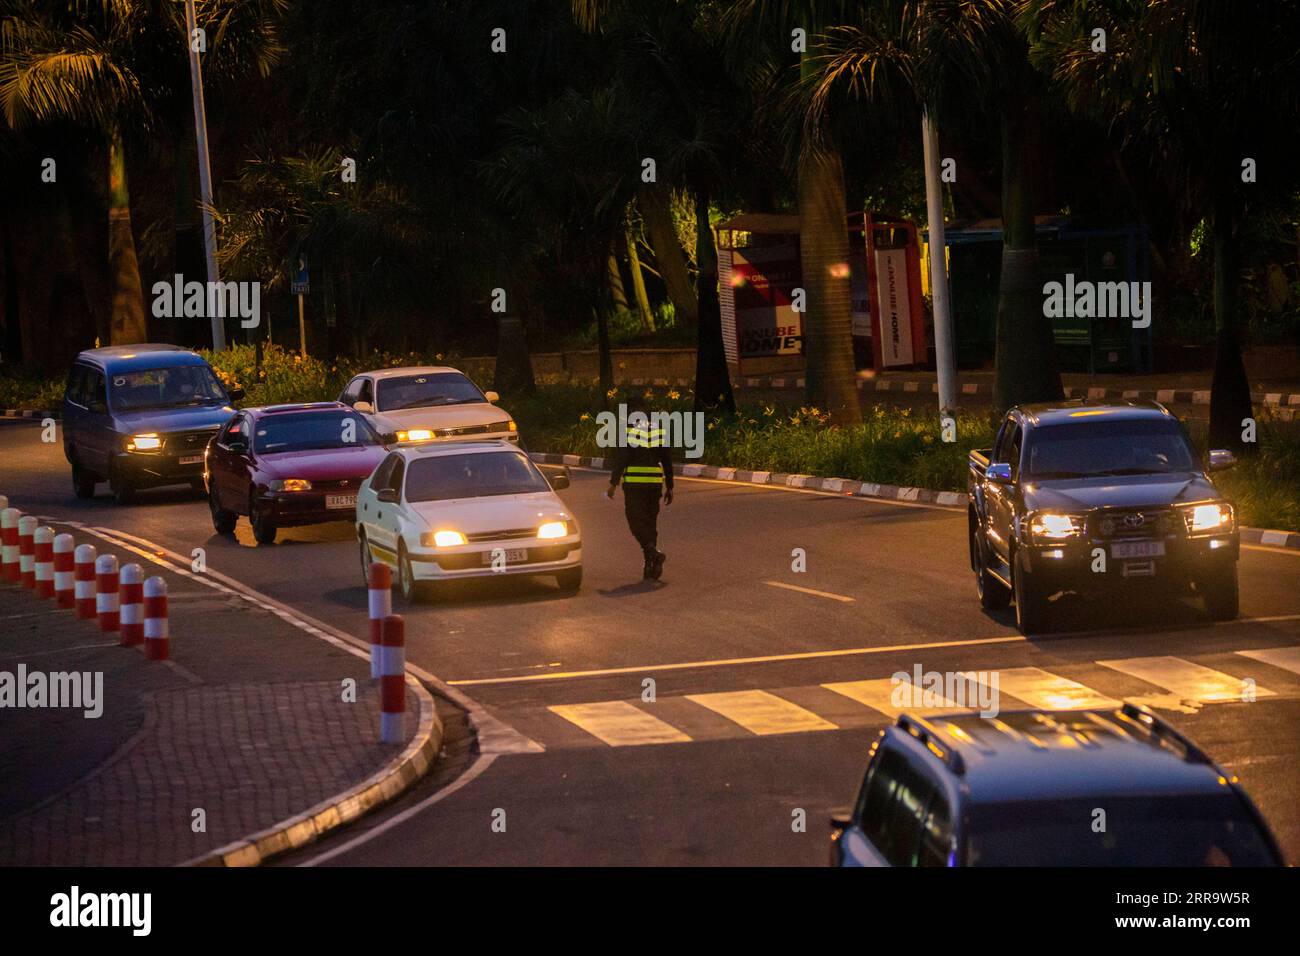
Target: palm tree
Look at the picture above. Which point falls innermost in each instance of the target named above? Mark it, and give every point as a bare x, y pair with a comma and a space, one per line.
1192, 90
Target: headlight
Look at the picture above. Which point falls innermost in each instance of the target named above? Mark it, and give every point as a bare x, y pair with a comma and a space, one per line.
1205, 519
553, 529
290, 484
1054, 527
415, 434
148, 442
442, 539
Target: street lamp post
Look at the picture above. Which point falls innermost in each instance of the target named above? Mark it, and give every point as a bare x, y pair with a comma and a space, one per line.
943, 344
205, 169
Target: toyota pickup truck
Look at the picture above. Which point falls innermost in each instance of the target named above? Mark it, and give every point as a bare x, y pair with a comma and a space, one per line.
1096, 498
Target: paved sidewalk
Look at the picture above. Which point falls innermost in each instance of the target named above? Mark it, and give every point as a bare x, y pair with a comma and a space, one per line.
245, 727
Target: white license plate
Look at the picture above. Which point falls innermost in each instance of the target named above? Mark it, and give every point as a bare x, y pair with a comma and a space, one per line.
190, 460
513, 555
340, 501
1137, 549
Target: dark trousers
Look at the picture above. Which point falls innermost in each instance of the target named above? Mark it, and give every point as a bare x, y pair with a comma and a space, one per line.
641, 505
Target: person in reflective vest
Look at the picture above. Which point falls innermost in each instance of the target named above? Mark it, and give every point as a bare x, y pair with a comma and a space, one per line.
644, 466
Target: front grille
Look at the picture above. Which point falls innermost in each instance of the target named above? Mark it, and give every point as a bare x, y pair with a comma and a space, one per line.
463, 562
182, 442
1132, 523
347, 486
506, 535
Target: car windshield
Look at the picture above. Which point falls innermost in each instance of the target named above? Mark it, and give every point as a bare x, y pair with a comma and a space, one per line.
1098, 447
419, 391
305, 431
1175, 830
173, 387
443, 477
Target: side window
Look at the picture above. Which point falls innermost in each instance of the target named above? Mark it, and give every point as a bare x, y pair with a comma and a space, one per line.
94, 388
936, 834
384, 472
366, 392
76, 390
395, 479
878, 796
1013, 453
349, 396
895, 807
1000, 441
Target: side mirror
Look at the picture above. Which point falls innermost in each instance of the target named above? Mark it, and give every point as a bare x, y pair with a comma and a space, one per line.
237, 445
387, 496
365, 408
98, 408
999, 471
492, 397
559, 482
1220, 459
236, 392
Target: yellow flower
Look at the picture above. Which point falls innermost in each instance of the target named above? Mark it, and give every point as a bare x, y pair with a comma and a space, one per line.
585, 416
769, 411
674, 394
612, 392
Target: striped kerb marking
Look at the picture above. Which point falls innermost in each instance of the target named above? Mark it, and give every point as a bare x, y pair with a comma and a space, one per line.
879, 695
1038, 688
1187, 680
620, 724
1287, 658
762, 713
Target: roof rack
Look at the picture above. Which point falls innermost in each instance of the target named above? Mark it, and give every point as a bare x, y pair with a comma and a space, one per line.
935, 741
1158, 727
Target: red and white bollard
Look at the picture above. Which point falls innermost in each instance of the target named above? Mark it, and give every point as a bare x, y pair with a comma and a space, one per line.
392, 678
9, 519
83, 587
106, 592
64, 590
157, 636
27, 551
43, 544
131, 596
379, 579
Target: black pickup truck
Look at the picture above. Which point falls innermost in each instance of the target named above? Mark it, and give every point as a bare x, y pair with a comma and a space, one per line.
1094, 498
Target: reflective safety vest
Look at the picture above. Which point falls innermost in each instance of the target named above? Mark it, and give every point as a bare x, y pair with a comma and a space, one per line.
643, 474
645, 437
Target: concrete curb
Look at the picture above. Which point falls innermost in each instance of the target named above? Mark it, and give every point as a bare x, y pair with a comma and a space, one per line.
858, 489
297, 831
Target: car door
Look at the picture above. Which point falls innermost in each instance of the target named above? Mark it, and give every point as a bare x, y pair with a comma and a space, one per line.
97, 438
388, 517
222, 463
74, 410
1001, 498
371, 512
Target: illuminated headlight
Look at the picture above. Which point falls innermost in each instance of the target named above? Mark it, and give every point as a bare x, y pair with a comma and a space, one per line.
149, 442
442, 539
290, 484
415, 434
1203, 519
553, 529
1054, 527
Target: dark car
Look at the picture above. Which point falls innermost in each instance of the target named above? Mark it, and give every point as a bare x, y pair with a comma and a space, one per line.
140, 416
1047, 788
286, 465
1095, 497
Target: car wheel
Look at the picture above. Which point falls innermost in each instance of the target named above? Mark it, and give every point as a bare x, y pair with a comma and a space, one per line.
83, 481
1222, 599
1032, 610
264, 529
412, 590
122, 488
223, 521
570, 579
993, 593
199, 487
366, 559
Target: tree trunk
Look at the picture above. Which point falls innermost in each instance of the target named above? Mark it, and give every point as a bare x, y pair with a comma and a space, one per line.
128, 321
712, 381
638, 278
1229, 389
617, 294
1025, 362
669, 255
514, 368
602, 348
824, 259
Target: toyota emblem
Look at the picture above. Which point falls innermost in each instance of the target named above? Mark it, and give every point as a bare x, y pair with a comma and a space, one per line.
1135, 520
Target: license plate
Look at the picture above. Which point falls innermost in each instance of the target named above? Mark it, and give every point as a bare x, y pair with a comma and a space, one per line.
1137, 549
190, 460
513, 555
340, 501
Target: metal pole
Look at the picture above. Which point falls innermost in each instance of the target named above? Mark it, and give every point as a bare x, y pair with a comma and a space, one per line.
205, 169
302, 329
943, 340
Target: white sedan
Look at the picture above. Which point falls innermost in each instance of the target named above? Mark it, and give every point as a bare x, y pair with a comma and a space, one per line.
443, 511
426, 403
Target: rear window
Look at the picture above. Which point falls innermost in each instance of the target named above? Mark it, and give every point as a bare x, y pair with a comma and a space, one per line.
1098, 447
306, 431
1194, 830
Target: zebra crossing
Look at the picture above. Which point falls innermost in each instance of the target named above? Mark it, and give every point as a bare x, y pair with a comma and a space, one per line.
1162, 681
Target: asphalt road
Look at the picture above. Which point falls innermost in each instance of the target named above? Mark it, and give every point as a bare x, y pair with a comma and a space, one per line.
741, 738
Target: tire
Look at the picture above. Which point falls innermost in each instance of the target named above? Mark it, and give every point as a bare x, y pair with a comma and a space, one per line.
264, 529
199, 487
994, 595
1222, 598
570, 579
412, 590
366, 558
122, 488
83, 482
223, 521
1032, 610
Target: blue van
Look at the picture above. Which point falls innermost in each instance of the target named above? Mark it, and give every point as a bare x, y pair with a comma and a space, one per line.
140, 416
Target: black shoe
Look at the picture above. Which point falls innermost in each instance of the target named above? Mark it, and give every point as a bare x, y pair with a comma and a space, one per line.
656, 565
648, 571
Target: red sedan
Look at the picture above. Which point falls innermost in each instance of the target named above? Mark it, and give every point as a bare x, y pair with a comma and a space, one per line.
288, 465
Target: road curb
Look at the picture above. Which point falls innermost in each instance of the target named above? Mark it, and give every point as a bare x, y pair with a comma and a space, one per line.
858, 489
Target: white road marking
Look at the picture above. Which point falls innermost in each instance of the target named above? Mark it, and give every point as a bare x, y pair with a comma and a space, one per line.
1287, 658
1187, 680
812, 591
1040, 688
762, 713
620, 724
879, 695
